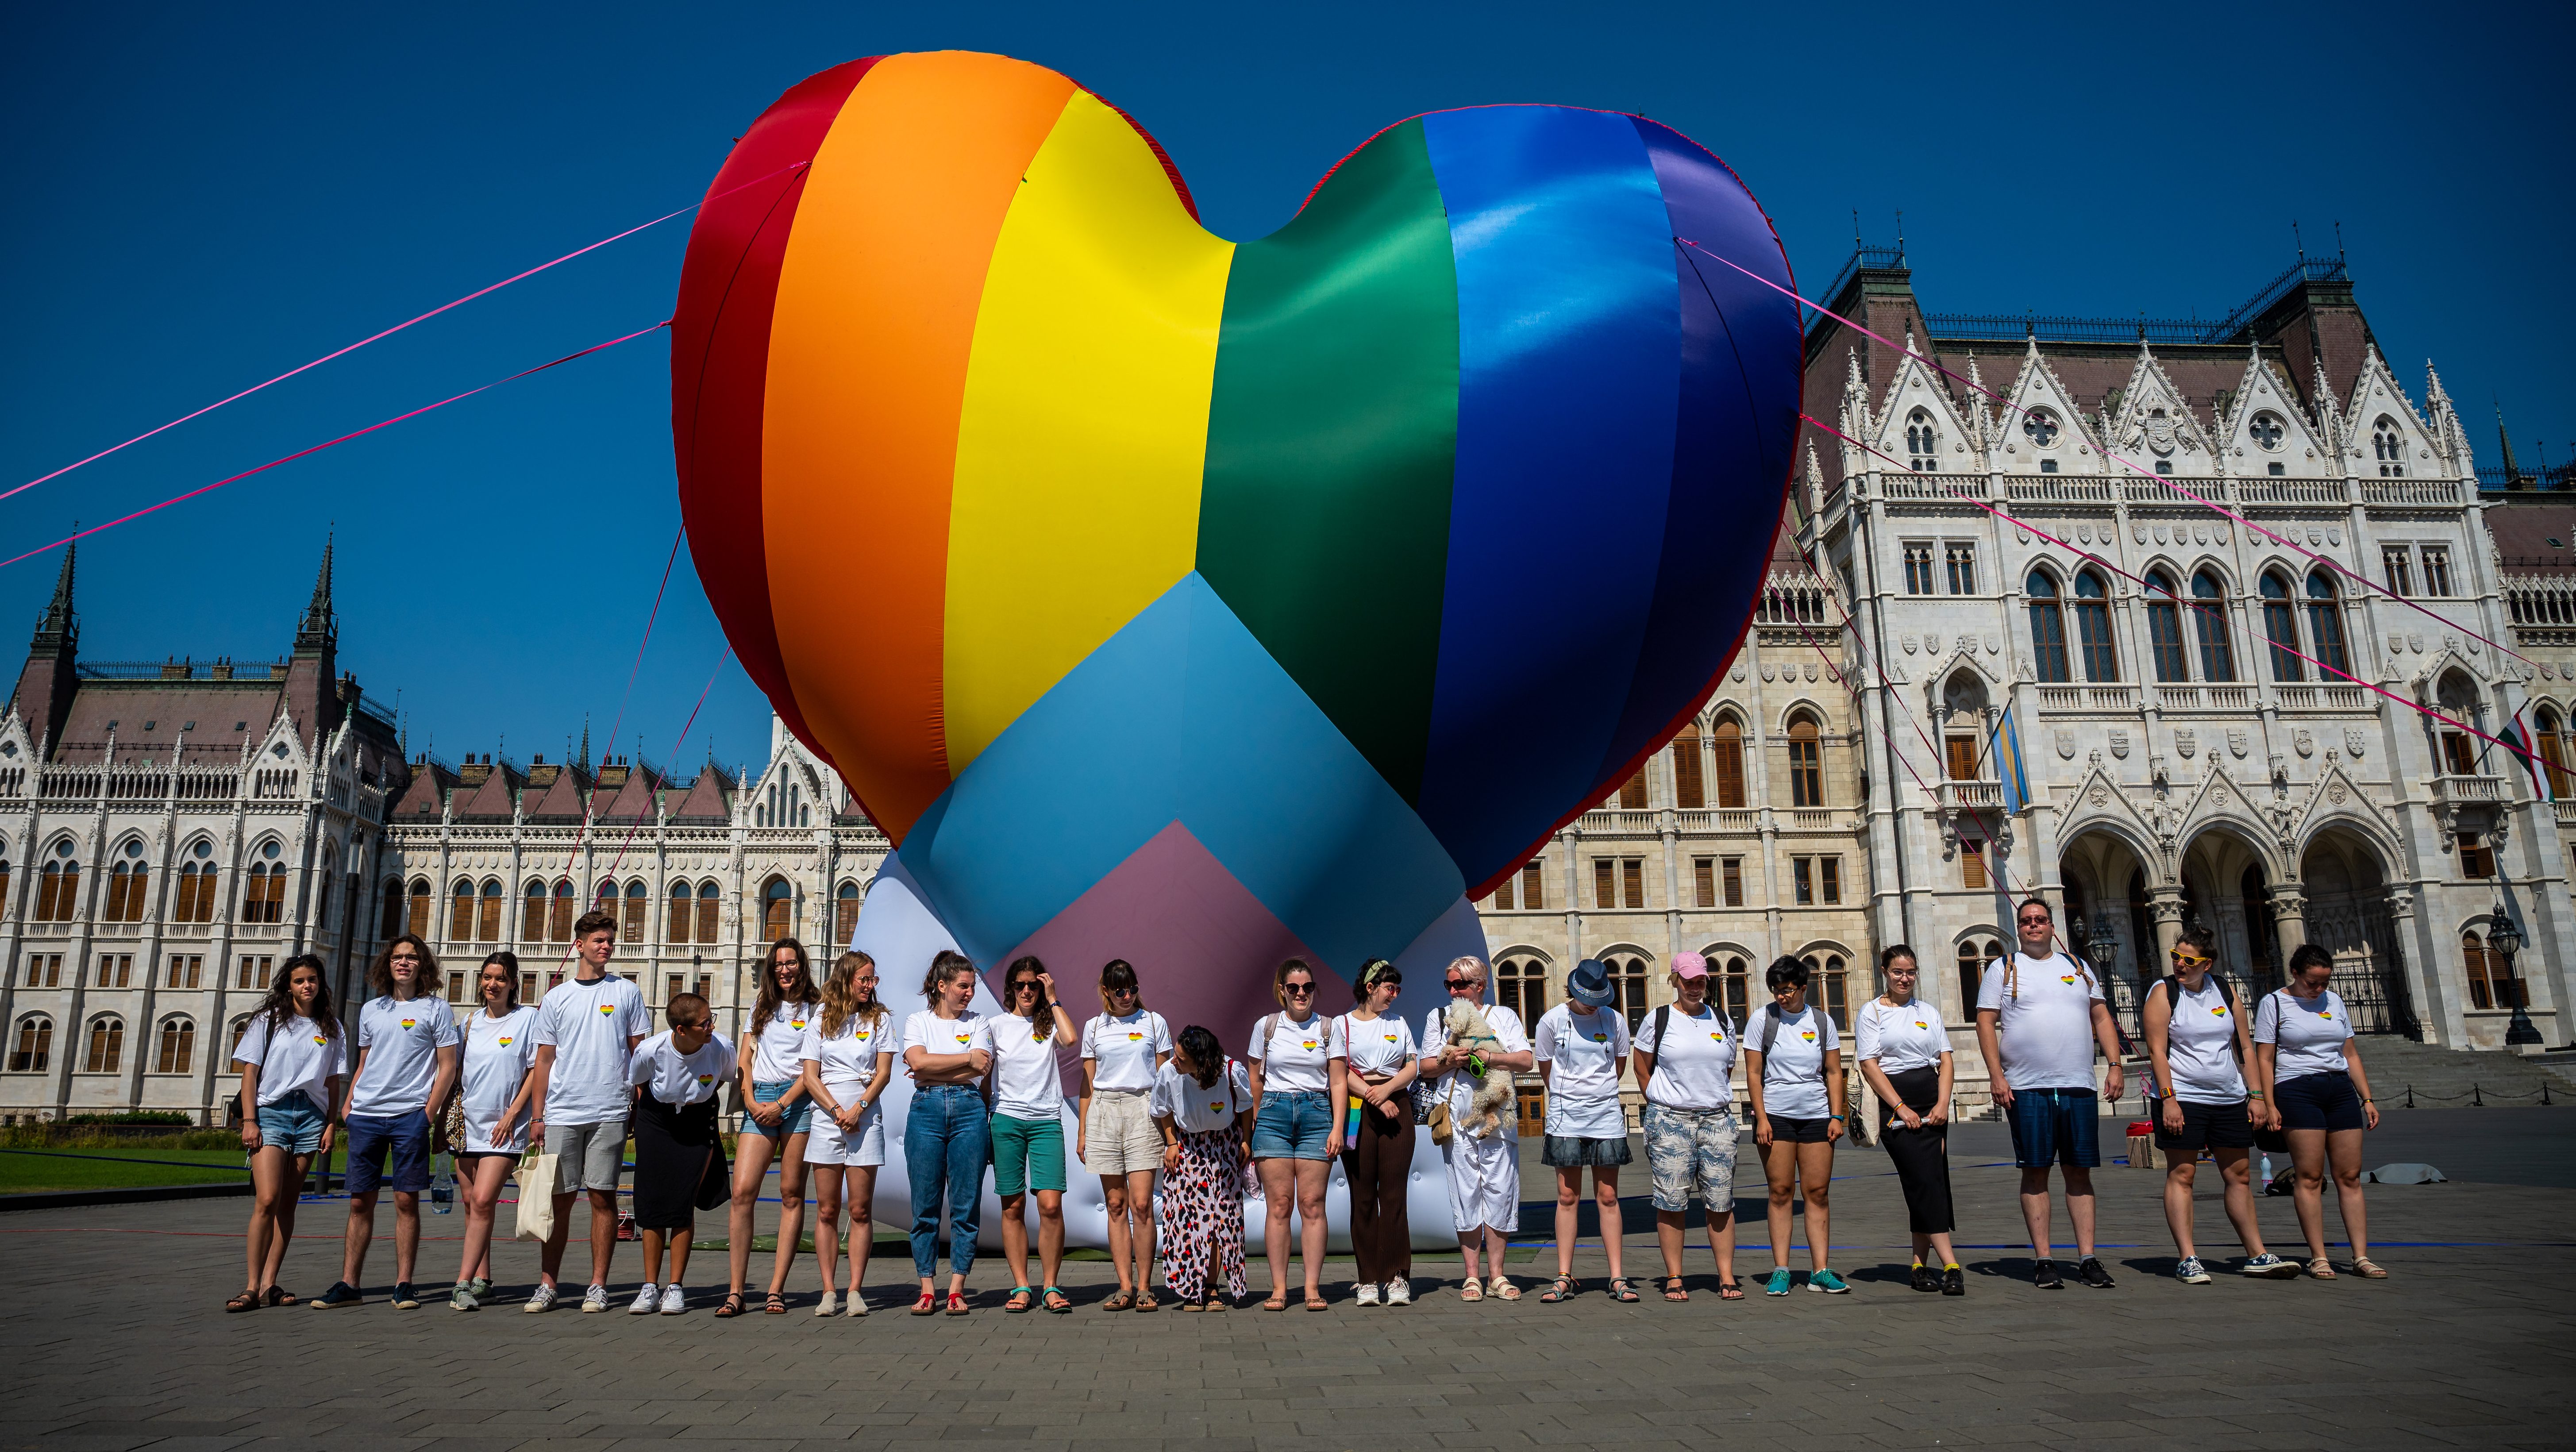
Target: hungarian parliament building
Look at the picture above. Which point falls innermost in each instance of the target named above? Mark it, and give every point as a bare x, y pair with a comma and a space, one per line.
172, 831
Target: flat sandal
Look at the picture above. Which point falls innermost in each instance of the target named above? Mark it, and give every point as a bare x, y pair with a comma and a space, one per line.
2368, 1269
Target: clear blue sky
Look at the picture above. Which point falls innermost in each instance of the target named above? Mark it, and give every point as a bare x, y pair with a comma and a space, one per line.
200, 197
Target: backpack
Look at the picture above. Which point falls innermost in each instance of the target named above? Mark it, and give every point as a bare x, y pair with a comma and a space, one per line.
1664, 1016
2172, 986
1771, 1027
2012, 970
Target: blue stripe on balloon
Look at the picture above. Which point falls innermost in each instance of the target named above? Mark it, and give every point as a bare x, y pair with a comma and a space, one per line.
1731, 445
1182, 716
1567, 340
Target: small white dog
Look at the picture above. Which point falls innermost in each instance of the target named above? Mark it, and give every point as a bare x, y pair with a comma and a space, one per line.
1468, 1030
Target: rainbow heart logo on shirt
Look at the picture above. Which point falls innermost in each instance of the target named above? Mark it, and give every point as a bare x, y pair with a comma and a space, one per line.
2067, 979
607, 1008
961, 1038
407, 1023
1601, 1038
505, 1043
1717, 1036
319, 1041
1390, 1038
1808, 1034
1135, 1037
1918, 1023
796, 1023
1216, 1106
2324, 1012
706, 1079
2218, 1013
1309, 1043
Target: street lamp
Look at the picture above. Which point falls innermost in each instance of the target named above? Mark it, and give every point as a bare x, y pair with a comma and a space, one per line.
2506, 940
2102, 946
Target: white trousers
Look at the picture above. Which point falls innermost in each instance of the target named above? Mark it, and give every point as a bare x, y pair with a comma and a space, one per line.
1484, 1181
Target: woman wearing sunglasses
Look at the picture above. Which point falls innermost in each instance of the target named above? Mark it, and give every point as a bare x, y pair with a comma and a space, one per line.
2197, 1043
1298, 1072
1116, 1137
1028, 1128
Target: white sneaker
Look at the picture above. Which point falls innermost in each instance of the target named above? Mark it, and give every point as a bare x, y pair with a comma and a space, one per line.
1399, 1292
541, 1299
830, 1305
647, 1300
1368, 1294
594, 1300
674, 1300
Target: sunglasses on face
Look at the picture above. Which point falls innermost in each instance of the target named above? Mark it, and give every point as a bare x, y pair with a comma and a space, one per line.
1457, 983
2187, 959
2034, 922
1026, 985
1299, 989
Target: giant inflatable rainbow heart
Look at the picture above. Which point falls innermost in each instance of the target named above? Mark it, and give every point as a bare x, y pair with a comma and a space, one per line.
1197, 602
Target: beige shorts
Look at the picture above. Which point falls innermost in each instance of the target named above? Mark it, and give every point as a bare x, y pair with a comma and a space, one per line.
1119, 1138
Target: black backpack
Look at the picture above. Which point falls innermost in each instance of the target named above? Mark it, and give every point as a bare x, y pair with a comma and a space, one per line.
1664, 1017
2172, 986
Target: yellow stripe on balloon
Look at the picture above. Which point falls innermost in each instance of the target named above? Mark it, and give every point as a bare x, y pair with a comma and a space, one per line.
1084, 429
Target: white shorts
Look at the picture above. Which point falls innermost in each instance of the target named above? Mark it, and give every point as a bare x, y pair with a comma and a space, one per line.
1484, 1181
1120, 1137
827, 1144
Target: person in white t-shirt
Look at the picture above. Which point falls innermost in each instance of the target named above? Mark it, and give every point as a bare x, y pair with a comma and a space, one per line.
1028, 1129
1793, 1072
2307, 1061
1582, 1048
407, 1060
2198, 1040
1114, 1133
1905, 1059
1377, 1135
1298, 1062
1202, 1108
679, 1156
849, 1062
587, 1029
1685, 1063
294, 1061
497, 1089
1484, 1170
777, 1117
947, 1133
2039, 1016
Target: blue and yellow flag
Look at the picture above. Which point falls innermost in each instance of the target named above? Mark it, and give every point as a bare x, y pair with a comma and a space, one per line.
2006, 750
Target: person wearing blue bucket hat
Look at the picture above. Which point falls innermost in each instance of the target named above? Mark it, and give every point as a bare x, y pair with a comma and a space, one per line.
1582, 1046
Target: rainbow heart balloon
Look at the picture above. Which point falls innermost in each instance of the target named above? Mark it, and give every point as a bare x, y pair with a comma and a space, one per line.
1196, 602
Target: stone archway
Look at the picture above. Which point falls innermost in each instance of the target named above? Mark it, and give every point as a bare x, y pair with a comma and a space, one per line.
2228, 888
2344, 881
2107, 886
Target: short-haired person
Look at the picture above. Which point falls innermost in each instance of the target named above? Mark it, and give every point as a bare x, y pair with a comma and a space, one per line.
1123, 1047
407, 1053
1377, 1134
1793, 1072
777, 1121
1202, 1108
500, 1048
1582, 1047
679, 1159
1028, 1129
2040, 1016
1483, 1160
849, 1062
1685, 1064
2197, 1039
587, 1029
947, 1139
294, 1063
1905, 1059
2306, 1059
1297, 1059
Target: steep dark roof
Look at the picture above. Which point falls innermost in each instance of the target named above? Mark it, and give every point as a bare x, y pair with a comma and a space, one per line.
708, 801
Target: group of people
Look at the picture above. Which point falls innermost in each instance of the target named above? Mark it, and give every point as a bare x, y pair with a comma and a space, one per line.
581, 1073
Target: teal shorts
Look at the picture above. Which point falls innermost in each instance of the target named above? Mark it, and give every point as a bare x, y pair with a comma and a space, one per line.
1028, 1154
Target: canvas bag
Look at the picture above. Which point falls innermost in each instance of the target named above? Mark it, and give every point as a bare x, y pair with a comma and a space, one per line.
536, 1180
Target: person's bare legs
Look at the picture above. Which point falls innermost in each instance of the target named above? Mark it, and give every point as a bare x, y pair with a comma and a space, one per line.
1312, 1176
406, 1235
2235, 1168
550, 1254
1815, 1182
1668, 1240
680, 1253
1569, 1199
1050, 1235
827, 1223
361, 1233
1113, 1200
791, 1211
1278, 1204
2343, 1153
1780, 1174
859, 1195
1140, 1236
1015, 1237
752, 1154
1605, 1193
480, 1189
2034, 1210
603, 1234
2178, 1178
2079, 1209
276, 1179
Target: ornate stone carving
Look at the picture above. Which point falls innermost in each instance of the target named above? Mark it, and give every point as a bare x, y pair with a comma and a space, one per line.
2120, 744
1739, 673
2236, 741
1770, 672
2304, 742
1909, 643
2353, 741
1994, 644
2065, 744
2187, 741
2336, 791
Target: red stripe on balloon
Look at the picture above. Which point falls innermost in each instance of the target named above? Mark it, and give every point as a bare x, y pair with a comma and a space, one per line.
720, 373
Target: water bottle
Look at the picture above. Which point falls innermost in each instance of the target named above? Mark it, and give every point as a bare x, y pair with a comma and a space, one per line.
442, 1186
2267, 1170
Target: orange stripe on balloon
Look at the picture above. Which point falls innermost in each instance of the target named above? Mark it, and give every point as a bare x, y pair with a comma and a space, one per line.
867, 373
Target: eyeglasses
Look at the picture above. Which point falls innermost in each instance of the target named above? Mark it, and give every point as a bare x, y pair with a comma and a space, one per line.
1299, 990
1122, 993
2037, 922
1458, 983
1027, 985
2187, 960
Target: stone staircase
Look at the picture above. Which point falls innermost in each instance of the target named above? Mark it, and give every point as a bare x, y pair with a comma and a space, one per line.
2456, 1079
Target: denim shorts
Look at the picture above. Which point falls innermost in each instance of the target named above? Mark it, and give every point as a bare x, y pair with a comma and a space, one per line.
797, 1118
293, 1124
2056, 1127
372, 1136
1292, 1125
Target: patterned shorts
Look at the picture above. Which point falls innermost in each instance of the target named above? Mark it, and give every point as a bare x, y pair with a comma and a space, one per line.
1692, 1151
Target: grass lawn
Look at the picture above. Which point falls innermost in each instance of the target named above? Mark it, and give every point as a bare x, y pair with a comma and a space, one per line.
25, 1171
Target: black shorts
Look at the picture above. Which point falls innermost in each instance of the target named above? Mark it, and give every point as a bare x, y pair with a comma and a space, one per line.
1797, 1131
2205, 1126
2319, 1101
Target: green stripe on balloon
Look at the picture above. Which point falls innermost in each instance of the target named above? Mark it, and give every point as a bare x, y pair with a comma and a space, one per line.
1332, 443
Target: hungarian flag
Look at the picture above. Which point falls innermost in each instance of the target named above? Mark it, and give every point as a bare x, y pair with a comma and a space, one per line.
2518, 741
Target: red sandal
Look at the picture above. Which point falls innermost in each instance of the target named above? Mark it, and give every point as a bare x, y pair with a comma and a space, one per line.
956, 1303
927, 1304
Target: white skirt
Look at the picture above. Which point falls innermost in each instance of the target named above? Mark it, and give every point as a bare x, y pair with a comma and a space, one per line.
826, 1143
1484, 1181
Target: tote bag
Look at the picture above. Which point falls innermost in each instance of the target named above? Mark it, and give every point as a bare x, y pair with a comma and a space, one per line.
536, 1180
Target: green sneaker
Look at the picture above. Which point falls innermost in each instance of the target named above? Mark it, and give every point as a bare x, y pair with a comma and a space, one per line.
480, 1288
462, 1298
1778, 1285
1827, 1282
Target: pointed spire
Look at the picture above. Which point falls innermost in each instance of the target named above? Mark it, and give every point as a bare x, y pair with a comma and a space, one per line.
2504, 441
320, 627
59, 628
585, 741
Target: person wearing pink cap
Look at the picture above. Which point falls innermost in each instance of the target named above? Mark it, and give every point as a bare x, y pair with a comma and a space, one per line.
1686, 1061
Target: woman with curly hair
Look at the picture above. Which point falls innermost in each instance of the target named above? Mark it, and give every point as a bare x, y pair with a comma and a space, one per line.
849, 1061
294, 1063
1202, 1107
776, 1117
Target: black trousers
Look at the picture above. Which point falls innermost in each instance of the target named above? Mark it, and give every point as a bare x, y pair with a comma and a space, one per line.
1379, 1164
1922, 1156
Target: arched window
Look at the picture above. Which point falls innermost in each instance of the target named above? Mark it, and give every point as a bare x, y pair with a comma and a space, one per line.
2047, 630
630, 919
178, 1047
2093, 628
2388, 445
1974, 955
2325, 621
2164, 628
2489, 974
777, 909
31, 1048
1806, 763
106, 1045
532, 913
1734, 996
676, 929
1727, 742
2553, 756
2459, 701
126, 880
1690, 787
390, 909
487, 916
1921, 441
845, 914
196, 896
424, 902
1520, 984
2281, 627
58, 887
1828, 987
2209, 622
560, 914
710, 903
1628, 986
460, 913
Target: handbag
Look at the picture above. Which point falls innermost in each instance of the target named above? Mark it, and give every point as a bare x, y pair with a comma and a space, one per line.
447, 1134
536, 1181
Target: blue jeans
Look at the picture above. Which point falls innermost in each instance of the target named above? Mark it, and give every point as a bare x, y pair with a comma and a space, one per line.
1294, 1124
946, 1145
